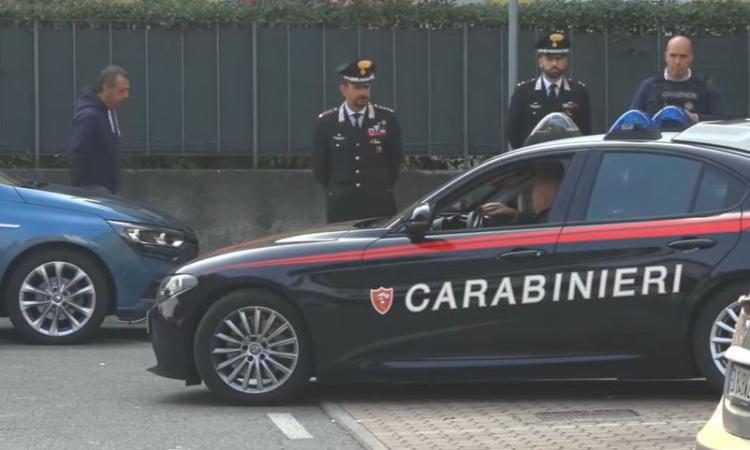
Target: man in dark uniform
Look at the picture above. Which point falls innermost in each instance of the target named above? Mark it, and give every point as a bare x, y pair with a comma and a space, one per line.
357, 150
678, 86
551, 92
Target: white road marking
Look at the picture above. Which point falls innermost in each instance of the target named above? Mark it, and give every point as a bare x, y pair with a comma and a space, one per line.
289, 426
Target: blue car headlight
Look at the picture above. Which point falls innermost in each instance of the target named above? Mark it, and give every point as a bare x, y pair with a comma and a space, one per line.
149, 235
174, 285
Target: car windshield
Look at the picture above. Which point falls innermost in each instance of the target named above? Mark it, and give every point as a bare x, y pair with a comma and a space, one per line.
7, 180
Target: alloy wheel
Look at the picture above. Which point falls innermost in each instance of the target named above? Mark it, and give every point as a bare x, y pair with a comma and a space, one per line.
57, 298
721, 335
254, 350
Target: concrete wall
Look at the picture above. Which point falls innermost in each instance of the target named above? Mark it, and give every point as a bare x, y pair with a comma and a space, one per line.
226, 206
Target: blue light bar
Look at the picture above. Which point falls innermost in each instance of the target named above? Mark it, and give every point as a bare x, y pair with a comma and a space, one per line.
633, 124
672, 118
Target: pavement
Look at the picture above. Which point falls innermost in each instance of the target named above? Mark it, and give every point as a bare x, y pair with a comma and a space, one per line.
99, 396
575, 415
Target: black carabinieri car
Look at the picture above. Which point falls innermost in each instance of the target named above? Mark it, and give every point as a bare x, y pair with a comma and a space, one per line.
582, 257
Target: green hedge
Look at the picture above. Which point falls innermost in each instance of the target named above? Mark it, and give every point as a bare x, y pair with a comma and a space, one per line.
702, 17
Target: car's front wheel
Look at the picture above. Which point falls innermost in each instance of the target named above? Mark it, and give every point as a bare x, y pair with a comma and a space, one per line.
250, 348
57, 296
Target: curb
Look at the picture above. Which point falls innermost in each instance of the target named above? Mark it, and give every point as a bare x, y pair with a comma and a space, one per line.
339, 414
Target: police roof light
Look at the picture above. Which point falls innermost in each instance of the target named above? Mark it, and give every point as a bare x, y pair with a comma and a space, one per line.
672, 118
553, 126
633, 124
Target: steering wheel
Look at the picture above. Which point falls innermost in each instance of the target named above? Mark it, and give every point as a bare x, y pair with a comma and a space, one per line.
475, 219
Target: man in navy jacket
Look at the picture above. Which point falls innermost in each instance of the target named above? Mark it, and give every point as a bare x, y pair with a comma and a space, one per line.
95, 140
679, 86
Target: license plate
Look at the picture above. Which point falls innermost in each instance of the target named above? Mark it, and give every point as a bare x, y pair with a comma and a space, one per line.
738, 385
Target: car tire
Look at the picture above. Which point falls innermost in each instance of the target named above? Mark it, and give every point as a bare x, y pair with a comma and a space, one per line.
711, 334
252, 361
57, 296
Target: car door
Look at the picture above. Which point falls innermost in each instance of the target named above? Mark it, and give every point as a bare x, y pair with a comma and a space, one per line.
467, 297
646, 227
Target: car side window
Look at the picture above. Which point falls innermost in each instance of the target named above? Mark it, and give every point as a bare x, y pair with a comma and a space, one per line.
642, 185
519, 195
717, 191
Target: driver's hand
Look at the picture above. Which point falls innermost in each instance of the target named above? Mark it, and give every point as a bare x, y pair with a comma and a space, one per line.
495, 209
693, 116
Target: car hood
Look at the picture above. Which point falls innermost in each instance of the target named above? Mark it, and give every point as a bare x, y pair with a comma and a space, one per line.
289, 245
108, 207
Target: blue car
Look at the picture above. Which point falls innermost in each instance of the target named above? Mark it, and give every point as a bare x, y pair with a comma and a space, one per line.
68, 258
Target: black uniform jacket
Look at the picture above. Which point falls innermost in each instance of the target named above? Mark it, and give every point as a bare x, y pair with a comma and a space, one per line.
530, 103
357, 166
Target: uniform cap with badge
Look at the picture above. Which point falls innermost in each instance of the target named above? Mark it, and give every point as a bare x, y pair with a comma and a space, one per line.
553, 44
360, 71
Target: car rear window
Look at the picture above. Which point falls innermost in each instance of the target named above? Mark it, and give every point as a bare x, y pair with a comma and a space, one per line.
718, 191
643, 185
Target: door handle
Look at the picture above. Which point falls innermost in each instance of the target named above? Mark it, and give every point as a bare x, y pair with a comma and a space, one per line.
521, 254
691, 244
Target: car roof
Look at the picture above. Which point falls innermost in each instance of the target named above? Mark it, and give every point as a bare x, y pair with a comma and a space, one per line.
665, 137
732, 134
727, 134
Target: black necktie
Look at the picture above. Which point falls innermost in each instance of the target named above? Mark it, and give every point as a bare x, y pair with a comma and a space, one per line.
356, 119
553, 92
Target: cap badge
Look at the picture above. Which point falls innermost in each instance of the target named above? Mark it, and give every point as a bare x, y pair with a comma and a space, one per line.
555, 39
363, 65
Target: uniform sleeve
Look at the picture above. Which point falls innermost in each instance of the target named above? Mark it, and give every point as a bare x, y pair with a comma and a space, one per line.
713, 104
395, 151
640, 98
585, 125
514, 128
320, 154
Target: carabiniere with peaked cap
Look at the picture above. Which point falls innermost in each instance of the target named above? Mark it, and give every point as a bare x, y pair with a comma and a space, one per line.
532, 99
357, 152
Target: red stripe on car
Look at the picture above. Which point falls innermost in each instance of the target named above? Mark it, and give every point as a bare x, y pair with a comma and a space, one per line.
725, 223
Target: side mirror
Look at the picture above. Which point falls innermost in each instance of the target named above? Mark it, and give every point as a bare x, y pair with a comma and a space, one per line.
419, 220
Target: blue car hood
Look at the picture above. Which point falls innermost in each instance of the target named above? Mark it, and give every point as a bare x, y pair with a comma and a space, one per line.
108, 207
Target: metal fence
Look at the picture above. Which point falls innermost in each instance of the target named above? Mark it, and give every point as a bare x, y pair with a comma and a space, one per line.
257, 90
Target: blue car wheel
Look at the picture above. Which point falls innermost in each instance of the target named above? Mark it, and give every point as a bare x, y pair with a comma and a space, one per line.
57, 296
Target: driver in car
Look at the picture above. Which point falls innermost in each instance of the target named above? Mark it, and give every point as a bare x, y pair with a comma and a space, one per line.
545, 181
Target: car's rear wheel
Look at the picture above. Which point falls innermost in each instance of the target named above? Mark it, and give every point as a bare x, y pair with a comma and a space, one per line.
250, 348
57, 296
712, 333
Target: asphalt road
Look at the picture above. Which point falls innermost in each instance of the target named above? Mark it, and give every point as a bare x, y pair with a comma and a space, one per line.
99, 396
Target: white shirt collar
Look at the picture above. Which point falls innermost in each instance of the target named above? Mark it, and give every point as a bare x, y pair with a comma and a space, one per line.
542, 83
548, 83
367, 110
350, 111
685, 78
